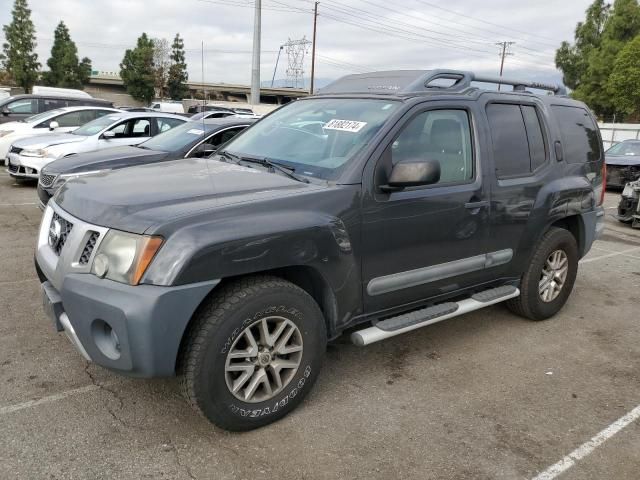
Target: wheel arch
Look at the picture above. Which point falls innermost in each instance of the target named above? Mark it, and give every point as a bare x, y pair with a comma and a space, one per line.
307, 278
576, 226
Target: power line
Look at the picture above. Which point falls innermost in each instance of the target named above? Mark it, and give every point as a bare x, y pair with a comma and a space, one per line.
424, 2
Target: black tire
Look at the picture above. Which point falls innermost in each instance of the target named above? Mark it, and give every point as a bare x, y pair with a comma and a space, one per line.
530, 303
217, 325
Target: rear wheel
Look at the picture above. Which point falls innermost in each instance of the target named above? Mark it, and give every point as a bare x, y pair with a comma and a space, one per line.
548, 281
253, 353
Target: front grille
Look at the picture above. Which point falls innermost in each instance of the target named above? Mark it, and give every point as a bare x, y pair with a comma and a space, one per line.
47, 180
88, 248
59, 231
619, 175
15, 149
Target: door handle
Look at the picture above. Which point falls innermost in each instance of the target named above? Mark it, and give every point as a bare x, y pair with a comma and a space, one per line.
476, 205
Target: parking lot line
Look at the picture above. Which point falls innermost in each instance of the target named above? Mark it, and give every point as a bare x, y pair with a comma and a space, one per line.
51, 398
588, 447
17, 204
614, 254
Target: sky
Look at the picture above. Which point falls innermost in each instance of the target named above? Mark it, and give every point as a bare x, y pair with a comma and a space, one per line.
354, 36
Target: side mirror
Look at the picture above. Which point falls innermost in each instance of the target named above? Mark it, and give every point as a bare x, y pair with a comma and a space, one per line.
413, 173
53, 125
5, 111
108, 134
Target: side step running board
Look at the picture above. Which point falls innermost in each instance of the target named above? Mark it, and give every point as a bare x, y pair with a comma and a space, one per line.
430, 315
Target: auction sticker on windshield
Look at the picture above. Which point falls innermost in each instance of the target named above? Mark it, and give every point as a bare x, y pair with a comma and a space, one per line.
344, 125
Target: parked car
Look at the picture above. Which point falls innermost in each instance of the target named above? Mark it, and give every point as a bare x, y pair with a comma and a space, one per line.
198, 117
168, 107
26, 157
208, 108
59, 120
415, 204
135, 109
243, 111
629, 204
623, 163
183, 141
18, 107
59, 92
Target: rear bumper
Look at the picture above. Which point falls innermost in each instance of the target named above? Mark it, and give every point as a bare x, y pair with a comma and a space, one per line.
593, 223
134, 330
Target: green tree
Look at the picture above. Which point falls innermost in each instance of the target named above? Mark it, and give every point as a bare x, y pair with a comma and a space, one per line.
137, 70
178, 76
624, 82
64, 68
621, 27
572, 60
18, 57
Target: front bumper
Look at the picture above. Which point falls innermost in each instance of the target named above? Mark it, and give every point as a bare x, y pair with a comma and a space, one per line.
134, 330
19, 166
619, 175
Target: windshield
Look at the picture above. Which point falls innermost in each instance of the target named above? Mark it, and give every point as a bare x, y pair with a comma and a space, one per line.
177, 138
625, 148
43, 115
317, 137
96, 126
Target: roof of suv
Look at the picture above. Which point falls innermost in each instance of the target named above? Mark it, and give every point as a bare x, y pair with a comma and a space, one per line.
407, 83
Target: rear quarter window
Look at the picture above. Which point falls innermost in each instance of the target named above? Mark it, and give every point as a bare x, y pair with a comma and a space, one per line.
579, 134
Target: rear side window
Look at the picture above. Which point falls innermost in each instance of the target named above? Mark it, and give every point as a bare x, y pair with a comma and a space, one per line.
509, 136
518, 142
580, 142
537, 150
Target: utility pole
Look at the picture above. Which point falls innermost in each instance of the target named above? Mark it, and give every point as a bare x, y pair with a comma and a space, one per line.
505, 51
313, 48
255, 67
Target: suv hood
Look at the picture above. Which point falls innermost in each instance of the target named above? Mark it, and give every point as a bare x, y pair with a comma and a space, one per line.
137, 198
622, 160
48, 140
109, 158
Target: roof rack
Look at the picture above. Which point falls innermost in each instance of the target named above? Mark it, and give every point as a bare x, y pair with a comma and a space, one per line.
416, 81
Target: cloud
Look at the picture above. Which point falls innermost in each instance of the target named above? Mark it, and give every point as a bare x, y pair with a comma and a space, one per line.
353, 36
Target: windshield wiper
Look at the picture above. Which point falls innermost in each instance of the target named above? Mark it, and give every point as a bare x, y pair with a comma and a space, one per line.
288, 171
230, 156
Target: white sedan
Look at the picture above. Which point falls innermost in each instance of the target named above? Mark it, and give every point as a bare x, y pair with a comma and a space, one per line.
59, 120
26, 157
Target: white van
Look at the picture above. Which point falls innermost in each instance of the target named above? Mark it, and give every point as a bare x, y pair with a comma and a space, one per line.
167, 107
59, 92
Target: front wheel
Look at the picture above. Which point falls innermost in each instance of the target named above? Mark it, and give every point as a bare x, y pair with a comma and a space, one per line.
253, 353
548, 281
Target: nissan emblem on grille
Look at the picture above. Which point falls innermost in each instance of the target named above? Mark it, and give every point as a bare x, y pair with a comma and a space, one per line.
59, 230
55, 231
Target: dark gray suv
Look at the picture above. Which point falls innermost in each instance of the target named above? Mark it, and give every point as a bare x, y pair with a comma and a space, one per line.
387, 202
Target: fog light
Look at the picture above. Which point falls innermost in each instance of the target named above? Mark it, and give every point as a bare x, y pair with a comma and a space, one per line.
106, 339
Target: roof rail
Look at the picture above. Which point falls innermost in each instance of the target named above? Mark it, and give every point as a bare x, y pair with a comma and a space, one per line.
415, 81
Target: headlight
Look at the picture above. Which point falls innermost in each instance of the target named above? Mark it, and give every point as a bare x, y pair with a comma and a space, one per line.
69, 176
124, 257
40, 152
5, 133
